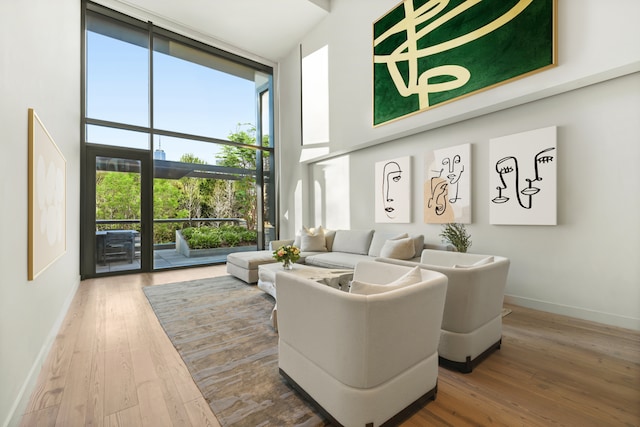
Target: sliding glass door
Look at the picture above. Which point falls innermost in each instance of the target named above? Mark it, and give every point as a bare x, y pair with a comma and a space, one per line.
115, 206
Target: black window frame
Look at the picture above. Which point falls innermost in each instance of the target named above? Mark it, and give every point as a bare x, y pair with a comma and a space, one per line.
86, 237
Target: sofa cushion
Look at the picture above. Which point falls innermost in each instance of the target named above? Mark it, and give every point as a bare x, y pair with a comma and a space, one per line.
250, 260
335, 260
410, 278
379, 237
352, 241
398, 248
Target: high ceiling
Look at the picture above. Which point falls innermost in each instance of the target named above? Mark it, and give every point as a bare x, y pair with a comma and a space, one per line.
266, 28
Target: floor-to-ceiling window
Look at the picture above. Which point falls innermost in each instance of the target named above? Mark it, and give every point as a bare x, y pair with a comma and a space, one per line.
177, 146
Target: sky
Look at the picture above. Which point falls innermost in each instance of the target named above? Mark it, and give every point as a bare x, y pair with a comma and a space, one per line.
188, 98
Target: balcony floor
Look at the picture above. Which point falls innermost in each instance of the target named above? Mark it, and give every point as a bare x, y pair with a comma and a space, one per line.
162, 259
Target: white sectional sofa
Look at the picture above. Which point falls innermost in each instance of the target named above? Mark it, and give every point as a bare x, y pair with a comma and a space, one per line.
472, 320
341, 249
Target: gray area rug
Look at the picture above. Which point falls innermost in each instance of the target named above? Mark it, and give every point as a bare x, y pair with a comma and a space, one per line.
221, 328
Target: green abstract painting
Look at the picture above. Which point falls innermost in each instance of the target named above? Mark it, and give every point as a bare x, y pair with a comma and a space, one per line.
429, 52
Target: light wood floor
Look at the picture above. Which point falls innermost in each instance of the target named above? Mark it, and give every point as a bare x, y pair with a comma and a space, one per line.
113, 365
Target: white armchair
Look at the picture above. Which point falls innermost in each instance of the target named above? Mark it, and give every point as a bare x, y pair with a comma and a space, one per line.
362, 359
472, 321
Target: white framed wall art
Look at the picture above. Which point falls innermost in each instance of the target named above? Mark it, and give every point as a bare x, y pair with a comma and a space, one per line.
393, 190
447, 185
523, 178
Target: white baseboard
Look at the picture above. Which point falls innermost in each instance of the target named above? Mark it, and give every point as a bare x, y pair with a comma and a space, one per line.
577, 312
22, 400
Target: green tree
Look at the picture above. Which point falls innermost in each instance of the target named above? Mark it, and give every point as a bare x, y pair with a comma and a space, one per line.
117, 195
244, 189
166, 196
217, 198
191, 199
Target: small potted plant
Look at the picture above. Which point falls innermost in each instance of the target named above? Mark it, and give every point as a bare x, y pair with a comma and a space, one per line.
457, 235
288, 255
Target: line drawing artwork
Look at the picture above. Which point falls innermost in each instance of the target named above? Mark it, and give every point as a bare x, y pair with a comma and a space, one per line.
447, 185
391, 173
393, 180
524, 181
509, 165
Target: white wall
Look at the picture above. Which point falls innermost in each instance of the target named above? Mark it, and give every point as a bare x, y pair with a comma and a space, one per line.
587, 266
40, 69
594, 43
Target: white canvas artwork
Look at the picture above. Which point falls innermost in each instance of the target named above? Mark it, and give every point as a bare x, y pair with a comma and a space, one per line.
447, 185
47, 199
393, 190
523, 178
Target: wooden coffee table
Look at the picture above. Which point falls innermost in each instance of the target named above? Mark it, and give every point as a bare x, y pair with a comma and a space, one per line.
335, 277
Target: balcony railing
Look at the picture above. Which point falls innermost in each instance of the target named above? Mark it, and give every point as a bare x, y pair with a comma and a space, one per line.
165, 251
218, 221
165, 242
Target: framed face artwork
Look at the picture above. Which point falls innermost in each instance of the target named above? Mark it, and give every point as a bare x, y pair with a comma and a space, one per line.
447, 185
393, 190
523, 178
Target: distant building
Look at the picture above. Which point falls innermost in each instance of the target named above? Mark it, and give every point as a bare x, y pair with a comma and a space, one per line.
159, 154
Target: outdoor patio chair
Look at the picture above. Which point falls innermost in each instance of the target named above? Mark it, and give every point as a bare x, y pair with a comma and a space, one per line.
119, 245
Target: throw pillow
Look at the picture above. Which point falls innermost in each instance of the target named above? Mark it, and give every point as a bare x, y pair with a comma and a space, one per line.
313, 243
418, 241
378, 240
483, 261
311, 239
312, 231
410, 278
398, 249
329, 235
362, 288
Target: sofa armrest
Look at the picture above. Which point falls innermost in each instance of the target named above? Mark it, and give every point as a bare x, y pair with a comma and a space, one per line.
440, 246
275, 244
402, 262
475, 295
